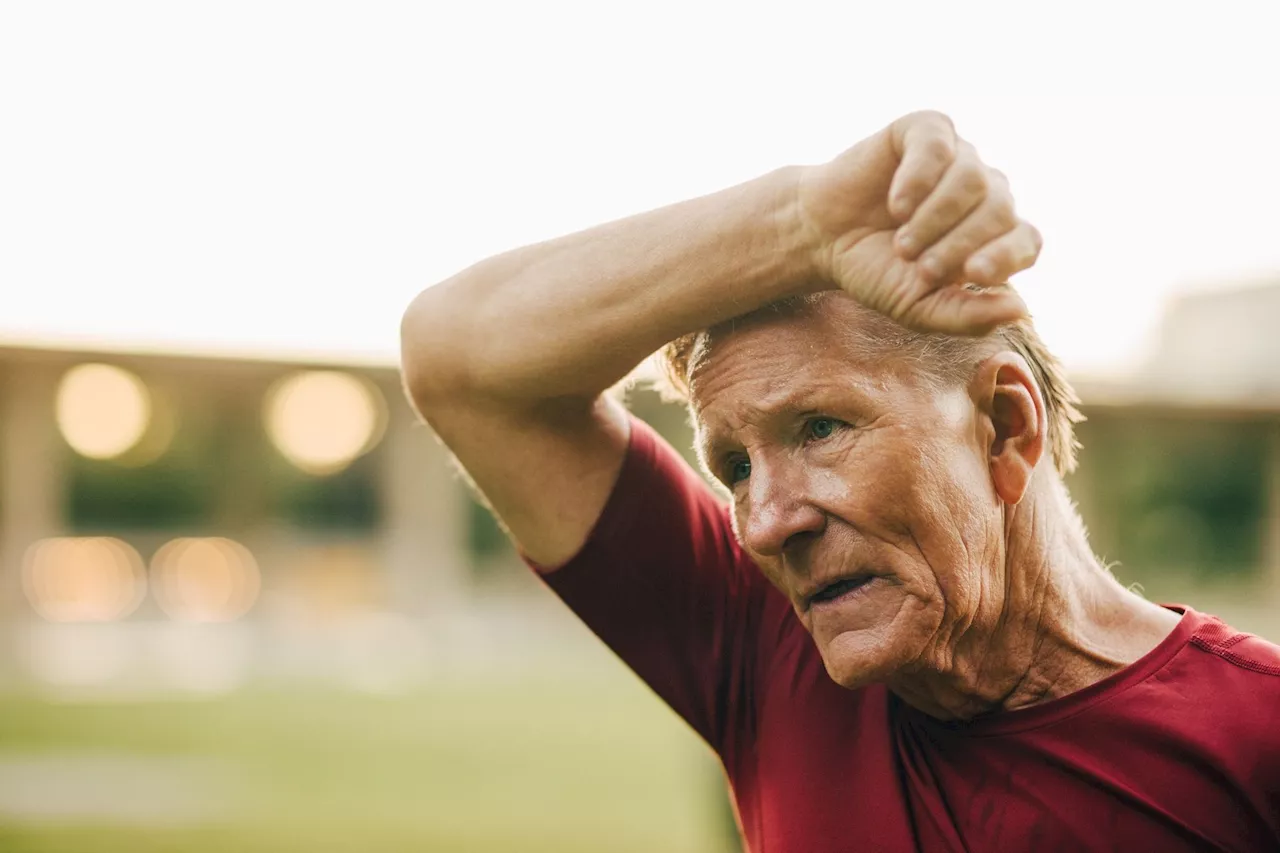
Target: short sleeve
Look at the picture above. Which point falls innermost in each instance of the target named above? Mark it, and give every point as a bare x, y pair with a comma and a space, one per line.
663, 582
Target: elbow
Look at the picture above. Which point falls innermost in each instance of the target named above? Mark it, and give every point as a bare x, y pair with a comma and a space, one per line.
450, 360
431, 363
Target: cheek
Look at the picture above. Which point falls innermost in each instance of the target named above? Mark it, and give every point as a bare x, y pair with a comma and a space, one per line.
957, 526
888, 493
773, 572
928, 502
965, 488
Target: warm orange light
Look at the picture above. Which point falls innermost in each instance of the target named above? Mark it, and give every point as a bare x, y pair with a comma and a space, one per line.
204, 580
102, 410
83, 579
321, 420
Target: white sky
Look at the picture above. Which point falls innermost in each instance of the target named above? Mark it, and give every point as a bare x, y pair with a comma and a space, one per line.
282, 178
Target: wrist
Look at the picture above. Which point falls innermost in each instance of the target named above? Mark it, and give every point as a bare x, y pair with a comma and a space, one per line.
800, 237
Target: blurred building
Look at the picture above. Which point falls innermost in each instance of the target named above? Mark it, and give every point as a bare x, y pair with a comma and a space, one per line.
295, 517
1221, 346
1179, 479
144, 489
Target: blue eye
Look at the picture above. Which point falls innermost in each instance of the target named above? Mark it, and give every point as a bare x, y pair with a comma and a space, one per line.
739, 470
821, 427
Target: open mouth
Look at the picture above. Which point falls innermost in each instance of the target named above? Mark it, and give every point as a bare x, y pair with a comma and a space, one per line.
840, 588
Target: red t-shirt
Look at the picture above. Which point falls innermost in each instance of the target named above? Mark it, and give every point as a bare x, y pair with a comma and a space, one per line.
1179, 751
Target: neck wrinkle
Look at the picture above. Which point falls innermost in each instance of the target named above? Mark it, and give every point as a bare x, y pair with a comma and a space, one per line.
1064, 622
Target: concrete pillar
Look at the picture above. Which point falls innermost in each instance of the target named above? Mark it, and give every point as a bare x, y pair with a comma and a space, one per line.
32, 471
241, 502
424, 517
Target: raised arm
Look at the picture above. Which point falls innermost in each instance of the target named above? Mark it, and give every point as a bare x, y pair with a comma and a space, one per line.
509, 360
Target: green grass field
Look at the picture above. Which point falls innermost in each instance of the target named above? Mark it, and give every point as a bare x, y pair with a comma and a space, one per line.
544, 766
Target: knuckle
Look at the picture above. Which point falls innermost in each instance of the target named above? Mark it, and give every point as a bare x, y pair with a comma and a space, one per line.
914, 186
1002, 217
1037, 240
973, 183
938, 149
969, 245
998, 188
936, 117
946, 210
997, 214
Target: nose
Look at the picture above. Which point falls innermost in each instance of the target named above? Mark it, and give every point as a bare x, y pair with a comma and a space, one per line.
779, 515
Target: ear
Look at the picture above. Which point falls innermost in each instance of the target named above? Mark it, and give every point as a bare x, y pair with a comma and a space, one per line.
1014, 423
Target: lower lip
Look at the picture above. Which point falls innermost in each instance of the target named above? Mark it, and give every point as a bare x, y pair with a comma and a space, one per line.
845, 597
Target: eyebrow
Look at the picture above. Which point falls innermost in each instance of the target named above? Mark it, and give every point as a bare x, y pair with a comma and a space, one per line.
711, 444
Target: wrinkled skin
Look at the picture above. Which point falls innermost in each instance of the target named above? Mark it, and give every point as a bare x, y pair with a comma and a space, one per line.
846, 459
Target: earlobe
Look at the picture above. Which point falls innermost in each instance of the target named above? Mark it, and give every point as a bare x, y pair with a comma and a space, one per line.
1008, 395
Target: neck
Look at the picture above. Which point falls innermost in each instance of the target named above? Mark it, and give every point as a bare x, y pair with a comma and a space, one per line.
1062, 624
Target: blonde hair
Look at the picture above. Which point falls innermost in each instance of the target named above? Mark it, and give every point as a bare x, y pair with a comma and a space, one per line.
946, 357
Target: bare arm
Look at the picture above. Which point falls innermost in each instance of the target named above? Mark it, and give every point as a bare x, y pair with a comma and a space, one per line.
572, 316
508, 360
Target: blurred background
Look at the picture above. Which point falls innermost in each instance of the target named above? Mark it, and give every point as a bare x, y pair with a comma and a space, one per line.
244, 601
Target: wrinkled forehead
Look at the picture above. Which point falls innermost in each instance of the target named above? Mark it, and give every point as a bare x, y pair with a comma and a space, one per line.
831, 339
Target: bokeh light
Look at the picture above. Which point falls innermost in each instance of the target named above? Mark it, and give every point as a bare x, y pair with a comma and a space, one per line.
102, 410
321, 420
83, 579
205, 579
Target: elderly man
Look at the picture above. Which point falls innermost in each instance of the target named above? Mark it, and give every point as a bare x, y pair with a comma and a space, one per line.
895, 635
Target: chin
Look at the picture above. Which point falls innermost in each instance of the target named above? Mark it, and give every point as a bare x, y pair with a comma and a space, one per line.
855, 660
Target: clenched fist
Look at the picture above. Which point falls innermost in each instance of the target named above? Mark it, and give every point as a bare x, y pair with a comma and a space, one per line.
910, 219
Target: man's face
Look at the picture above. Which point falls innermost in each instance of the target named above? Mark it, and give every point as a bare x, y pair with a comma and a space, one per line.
860, 487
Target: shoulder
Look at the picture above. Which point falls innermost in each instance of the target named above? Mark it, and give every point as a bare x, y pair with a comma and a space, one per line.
1246, 652
1238, 681
1216, 684
660, 503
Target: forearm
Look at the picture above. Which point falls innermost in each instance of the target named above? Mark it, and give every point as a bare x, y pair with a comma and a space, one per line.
570, 317
508, 360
